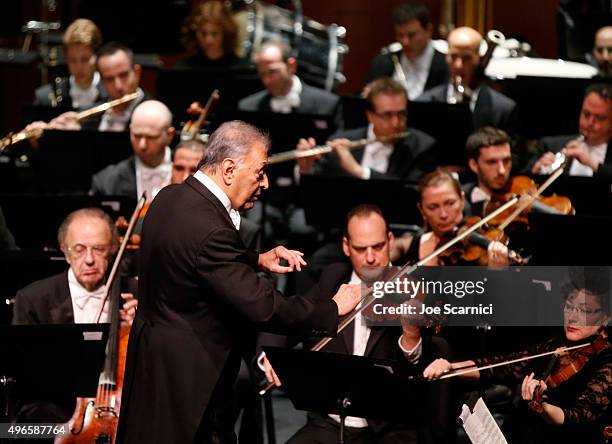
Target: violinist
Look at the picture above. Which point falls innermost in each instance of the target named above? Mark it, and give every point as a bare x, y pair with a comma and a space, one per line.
589, 152
441, 203
88, 238
150, 168
490, 158
572, 403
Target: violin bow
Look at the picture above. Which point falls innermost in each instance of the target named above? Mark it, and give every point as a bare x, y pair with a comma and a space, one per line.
406, 270
113, 272
529, 198
472, 368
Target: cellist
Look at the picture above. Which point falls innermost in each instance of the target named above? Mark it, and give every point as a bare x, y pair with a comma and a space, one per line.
88, 238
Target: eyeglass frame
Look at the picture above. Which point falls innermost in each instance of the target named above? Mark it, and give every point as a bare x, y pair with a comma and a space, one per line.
388, 115
96, 250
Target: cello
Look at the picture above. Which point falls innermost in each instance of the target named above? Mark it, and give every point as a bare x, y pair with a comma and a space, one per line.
95, 419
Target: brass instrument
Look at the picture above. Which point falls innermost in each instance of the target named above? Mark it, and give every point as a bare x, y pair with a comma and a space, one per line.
394, 50
460, 92
560, 160
324, 149
12, 139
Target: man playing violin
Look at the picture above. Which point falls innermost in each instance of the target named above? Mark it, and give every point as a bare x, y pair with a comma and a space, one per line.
572, 403
591, 156
88, 238
490, 158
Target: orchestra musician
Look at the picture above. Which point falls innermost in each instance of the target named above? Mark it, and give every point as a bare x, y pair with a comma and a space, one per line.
120, 76
82, 88
200, 297
423, 66
602, 51
211, 31
572, 403
591, 156
367, 243
88, 238
150, 167
441, 203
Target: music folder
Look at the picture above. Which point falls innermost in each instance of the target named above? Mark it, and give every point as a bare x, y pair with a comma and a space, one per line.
345, 384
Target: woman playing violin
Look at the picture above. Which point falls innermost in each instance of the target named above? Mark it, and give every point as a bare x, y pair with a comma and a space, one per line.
441, 203
571, 404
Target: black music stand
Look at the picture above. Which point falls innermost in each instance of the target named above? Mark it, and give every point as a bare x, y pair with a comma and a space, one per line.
397, 199
345, 385
50, 361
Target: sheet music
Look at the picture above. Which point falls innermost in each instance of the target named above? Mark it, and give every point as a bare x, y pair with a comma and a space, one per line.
480, 426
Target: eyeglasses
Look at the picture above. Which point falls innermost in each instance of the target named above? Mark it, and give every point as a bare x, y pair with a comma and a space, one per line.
569, 308
388, 115
80, 250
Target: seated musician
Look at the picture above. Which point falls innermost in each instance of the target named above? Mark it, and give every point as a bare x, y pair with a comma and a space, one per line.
88, 238
591, 156
150, 168
408, 157
120, 76
602, 51
367, 244
490, 158
423, 66
572, 403
488, 107
441, 203
82, 88
284, 91
211, 31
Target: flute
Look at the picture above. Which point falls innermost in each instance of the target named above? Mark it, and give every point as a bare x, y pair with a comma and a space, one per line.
324, 149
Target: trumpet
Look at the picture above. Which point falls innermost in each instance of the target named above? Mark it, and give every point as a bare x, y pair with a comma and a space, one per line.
460, 93
12, 139
559, 161
324, 149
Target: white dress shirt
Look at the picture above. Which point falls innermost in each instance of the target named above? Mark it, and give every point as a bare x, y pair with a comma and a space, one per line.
152, 180
219, 194
85, 303
81, 97
597, 153
117, 121
416, 71
284, 104
375, 155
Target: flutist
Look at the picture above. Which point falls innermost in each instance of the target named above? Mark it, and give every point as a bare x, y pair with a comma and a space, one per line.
406, 158
589, 152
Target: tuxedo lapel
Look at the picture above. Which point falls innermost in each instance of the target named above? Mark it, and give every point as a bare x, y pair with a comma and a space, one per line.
205, 192
375, 334
61, 311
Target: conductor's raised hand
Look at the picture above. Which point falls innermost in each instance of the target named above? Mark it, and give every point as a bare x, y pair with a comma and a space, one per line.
347, 297
270, 261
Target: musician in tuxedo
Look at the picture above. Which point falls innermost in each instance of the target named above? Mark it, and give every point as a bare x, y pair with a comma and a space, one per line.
150, 167
200, 297
367, 244
408, 157
284, 91
119, 76
488, 107
591, 156
82, 88
423, 66
88, 238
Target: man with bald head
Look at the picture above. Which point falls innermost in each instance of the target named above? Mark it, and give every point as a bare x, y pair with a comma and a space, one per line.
285, 92
150, 168
602, 51
488, 107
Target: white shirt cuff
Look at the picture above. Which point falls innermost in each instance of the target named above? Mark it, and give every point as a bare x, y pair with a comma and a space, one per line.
367, 173
413, 355
260, 361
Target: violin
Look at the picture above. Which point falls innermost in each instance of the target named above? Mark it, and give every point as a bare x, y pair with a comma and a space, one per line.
191, 129
521, 185
473, 249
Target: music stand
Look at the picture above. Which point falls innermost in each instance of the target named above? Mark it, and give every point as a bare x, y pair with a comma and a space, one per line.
345, 385
396, 199
76, 352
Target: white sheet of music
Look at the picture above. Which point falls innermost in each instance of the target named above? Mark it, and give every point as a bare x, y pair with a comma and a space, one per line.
480, 426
